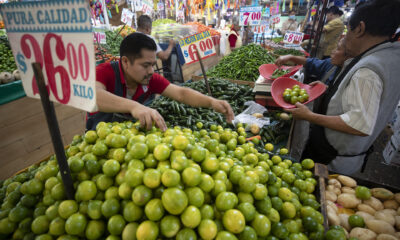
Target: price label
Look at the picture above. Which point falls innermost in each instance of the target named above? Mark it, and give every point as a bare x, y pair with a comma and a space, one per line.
293, 38
276, 19
181, 15
250, 16
147, 7
127, 16
160, 6
100, 37
201, 42
57, 35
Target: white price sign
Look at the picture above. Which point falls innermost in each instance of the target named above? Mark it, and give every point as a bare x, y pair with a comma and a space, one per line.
160, 6
201, 42
293, 38
181, 15
100, 37
147, 7
57, 35
276, 19
127, 16
250, 16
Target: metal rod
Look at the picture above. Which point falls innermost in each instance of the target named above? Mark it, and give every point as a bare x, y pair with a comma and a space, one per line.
313, 27
319, 30
119, 32
52, 123
204, 72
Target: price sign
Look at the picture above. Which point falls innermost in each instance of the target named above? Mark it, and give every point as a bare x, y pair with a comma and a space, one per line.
147, 7
201, 42
250, 16
276, 19
160, 6
100, 37
293, 38
57, 35
127, 16
181, 15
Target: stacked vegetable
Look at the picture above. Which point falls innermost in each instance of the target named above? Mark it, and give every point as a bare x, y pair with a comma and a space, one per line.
178, 184
162, 21
186, 116
364, 213
287, 51
242, 63
113, 42
202, 28
8, 72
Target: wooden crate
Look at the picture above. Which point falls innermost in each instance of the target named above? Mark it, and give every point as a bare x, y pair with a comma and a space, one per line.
240, 82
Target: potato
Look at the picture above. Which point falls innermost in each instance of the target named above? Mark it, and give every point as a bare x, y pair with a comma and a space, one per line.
382, 193
390, 211
374, 203
347, 181
365, 215
379, 226
362, 234
398, 211
384, 236
390, 204
344, 221
335, 183
387, 217
334, 189
397, 197
330, 208
366, 208
332, 205
348, 190
333, 218
331, 196
348, 200
284, 116
346, 233
258, 115
397, 222
397, 235
254, 128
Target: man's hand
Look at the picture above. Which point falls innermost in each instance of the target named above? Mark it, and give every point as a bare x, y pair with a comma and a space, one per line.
172, 42
224, 108
147, 116
300, 112
282, 60
316, 82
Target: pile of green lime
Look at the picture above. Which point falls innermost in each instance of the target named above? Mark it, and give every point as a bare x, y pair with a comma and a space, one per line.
177, 184
295, 94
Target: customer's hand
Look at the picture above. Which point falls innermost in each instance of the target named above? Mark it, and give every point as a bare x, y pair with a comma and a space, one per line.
224, 108
147, 116
282, 60
300, 112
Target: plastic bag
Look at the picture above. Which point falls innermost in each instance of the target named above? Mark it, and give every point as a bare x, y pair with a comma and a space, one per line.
246, 115
224, 43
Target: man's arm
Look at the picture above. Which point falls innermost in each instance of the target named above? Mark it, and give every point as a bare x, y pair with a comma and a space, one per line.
164, 55
332, 122
108, 102
195, 99
299, 60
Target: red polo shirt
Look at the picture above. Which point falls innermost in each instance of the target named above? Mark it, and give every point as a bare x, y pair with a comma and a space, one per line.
105, 74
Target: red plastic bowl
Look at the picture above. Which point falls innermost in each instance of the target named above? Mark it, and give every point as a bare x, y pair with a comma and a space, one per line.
266, 70
280, 84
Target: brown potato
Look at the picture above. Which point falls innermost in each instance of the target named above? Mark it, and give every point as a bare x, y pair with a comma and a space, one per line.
382, 193
397, 222
397, 235
332, 205
365, 216
258, 115
335, 183
366, 208
333, 218
362, 234
331, 196
390, 211
347, 181
348, 190
398, 211
344, 221
384, 236
348, 200
387, 217
390, 204
333, 189
374, 203
397, 197
379, 226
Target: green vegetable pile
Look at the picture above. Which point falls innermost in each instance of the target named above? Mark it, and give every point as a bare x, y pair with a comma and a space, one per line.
242, 63
277, 40
185, 116
279, 72
285, 51
113, 42
7, 62
162, 21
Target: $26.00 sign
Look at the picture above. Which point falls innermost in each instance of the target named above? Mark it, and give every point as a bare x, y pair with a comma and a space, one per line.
58, 35
250, 16
293, 37
201, 42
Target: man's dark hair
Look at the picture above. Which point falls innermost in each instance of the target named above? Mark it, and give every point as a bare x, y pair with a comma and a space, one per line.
335, 11
144, 21
132, 45
381, 17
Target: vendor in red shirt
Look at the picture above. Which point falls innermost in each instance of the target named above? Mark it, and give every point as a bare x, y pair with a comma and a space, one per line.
124, 86
235, 41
